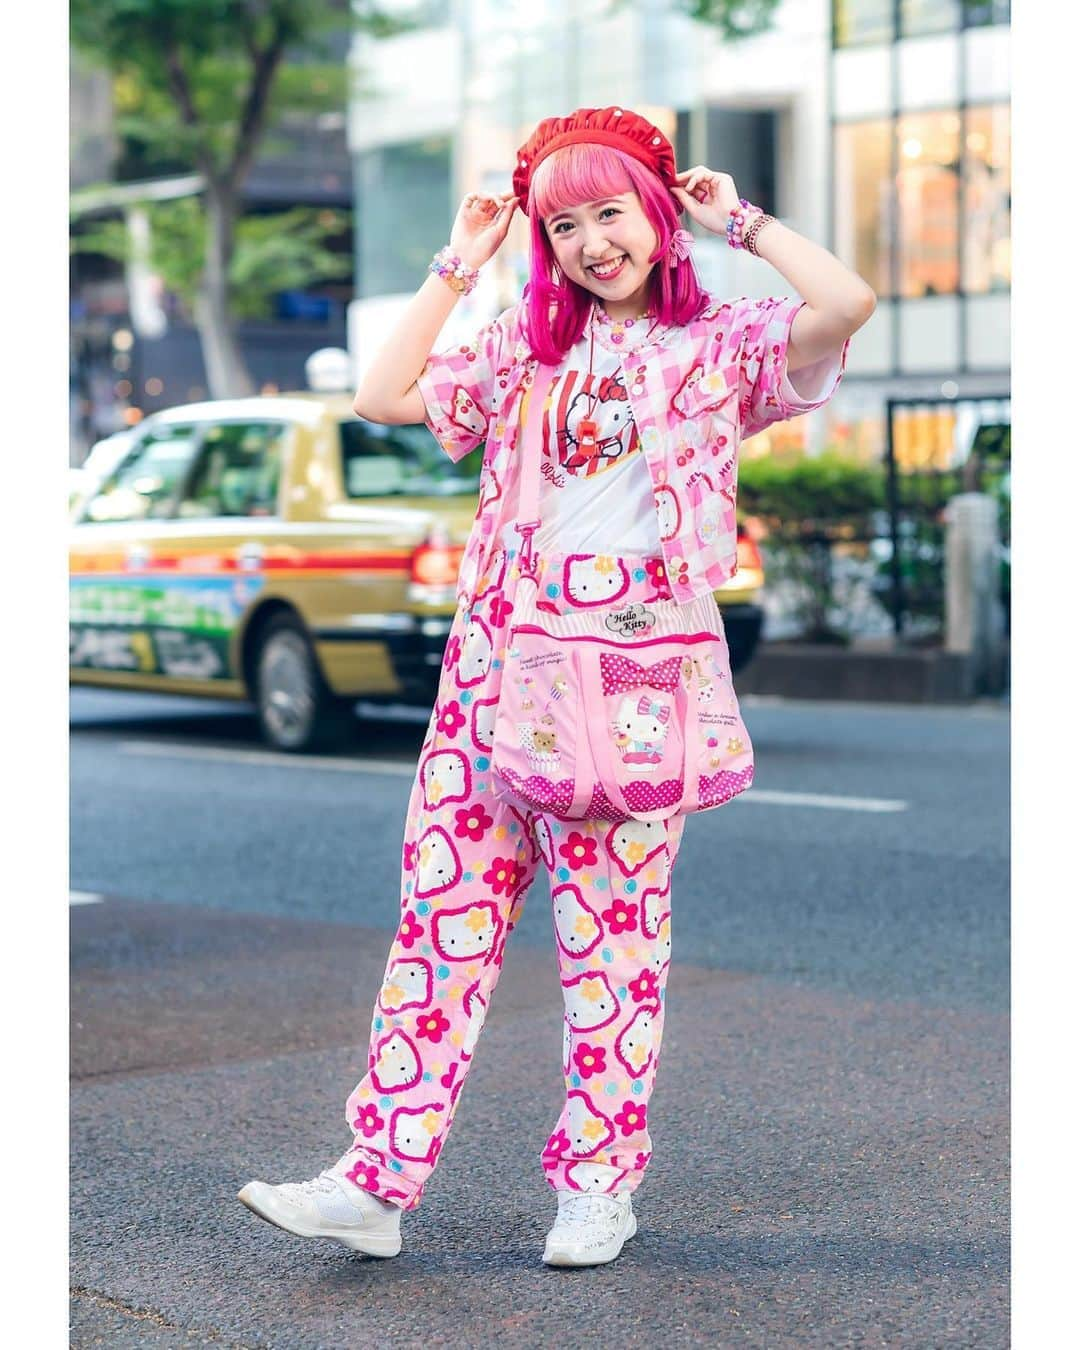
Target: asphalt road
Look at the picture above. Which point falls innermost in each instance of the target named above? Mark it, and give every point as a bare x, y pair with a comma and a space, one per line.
830, 1121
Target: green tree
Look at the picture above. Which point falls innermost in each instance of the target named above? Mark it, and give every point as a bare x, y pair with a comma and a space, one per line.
734, 18
809, 504
284, 251
201, 83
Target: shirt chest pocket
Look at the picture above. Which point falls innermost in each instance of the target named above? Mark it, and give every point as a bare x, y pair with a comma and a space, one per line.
712, 394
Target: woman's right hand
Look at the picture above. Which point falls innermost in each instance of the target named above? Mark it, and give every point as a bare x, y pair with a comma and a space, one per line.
480, 227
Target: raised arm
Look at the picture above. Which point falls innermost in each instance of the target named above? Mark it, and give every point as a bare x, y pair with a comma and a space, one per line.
838, 300
388, 391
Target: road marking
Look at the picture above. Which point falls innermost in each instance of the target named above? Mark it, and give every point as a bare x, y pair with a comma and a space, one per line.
400, 769
768, 798
84, 898
162, 750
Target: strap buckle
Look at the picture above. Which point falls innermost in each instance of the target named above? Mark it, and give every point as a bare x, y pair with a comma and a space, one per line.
527, 561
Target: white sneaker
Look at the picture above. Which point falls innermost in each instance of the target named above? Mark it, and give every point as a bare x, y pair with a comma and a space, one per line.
328, 1207
590, 1229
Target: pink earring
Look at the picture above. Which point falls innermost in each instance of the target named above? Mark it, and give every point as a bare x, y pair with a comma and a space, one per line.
682, 241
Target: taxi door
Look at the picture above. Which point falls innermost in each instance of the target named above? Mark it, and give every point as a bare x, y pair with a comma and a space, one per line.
116, 601
167, 557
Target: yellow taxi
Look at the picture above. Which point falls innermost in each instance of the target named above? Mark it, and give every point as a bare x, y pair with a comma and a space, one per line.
281, 550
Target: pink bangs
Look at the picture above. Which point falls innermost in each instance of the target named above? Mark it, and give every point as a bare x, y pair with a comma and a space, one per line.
557, 308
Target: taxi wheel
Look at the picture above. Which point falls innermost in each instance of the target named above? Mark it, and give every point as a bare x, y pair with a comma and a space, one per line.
297, 709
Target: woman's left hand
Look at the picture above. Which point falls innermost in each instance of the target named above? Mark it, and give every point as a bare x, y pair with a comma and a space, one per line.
707, 197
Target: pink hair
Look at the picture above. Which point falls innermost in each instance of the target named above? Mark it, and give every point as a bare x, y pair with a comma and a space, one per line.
556, 308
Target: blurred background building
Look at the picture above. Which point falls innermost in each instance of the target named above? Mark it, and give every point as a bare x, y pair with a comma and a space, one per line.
879, 127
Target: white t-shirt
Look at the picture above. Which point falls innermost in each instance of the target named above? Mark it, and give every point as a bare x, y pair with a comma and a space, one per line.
598, 501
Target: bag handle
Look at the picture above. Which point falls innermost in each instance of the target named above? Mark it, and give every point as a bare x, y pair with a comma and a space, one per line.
531, 450
583, 785
528, 508
603, 755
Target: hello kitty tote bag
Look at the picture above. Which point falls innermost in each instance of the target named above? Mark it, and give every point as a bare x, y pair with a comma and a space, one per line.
623, 714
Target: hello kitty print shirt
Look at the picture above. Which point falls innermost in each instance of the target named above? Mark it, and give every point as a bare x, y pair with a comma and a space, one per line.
694, 391
596, 494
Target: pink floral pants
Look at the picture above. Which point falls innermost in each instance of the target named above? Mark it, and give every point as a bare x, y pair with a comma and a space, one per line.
469, 859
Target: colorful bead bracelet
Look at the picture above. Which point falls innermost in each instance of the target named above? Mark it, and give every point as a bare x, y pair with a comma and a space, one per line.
745, 222
453, 271
736, 220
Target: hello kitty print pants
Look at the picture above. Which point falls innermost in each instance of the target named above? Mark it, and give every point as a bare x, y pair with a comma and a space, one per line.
469, 859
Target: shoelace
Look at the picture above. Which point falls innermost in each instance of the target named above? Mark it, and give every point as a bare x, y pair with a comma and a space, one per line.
323, 1184
585, 1208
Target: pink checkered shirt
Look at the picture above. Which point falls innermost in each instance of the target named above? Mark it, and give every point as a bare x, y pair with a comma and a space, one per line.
695, 392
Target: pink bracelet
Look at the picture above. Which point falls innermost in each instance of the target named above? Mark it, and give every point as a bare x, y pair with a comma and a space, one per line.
744, 222
453, 271
736, 222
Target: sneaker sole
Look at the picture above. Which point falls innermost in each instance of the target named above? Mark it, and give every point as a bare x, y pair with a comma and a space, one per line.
566, 1256
263, 1204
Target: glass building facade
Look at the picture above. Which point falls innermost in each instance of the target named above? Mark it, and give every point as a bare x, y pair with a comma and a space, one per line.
921, 207
880, 127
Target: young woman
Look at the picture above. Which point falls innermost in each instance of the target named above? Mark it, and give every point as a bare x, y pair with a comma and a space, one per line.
654, 384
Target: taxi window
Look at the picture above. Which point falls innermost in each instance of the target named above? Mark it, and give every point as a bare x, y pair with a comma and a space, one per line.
237, 472
145, 483
378, 461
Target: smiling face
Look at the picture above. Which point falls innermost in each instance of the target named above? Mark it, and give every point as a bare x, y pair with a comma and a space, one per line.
605, 246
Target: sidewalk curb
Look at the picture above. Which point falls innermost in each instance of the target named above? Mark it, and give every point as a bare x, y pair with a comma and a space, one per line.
806, 671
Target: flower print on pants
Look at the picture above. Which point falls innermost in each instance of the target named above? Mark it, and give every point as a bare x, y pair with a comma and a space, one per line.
468, 858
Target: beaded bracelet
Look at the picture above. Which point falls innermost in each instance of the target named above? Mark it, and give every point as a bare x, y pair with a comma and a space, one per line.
453, 271
737, 220
741, 234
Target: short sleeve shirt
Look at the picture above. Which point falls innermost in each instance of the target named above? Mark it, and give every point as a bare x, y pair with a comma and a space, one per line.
693, 390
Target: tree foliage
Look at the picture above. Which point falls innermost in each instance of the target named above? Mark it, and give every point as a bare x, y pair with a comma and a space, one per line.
201, 80
811, 494
201, 84
733, 18
285, 251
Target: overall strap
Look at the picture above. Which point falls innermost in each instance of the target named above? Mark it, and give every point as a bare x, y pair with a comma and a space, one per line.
531, 450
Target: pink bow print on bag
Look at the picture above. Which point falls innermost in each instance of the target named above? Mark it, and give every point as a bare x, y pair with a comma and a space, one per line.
621, 675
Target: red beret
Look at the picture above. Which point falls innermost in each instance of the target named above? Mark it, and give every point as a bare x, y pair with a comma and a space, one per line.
618, 127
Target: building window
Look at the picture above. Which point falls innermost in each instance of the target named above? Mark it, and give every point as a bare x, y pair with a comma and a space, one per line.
404, 213
981, 13
743, 143
237, 473
861, 21
928, 203
987, 200
863, 200
148, 478
681, 142
920, 17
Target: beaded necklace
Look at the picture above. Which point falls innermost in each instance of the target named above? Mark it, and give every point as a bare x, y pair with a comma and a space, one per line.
617, 330
587, 430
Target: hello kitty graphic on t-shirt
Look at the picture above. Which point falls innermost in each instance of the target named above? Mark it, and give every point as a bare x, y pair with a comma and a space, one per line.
604, 402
